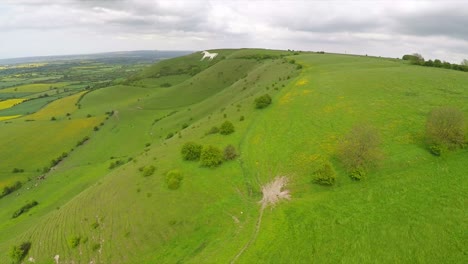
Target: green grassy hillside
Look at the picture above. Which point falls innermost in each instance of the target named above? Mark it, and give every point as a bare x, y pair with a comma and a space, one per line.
100, 204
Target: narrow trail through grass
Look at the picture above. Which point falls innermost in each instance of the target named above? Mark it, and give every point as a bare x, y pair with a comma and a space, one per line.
272, 193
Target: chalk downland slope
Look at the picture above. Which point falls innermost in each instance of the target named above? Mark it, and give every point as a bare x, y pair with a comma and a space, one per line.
409, 209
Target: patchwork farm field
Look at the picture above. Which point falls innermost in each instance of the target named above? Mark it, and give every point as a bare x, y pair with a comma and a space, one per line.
116, 177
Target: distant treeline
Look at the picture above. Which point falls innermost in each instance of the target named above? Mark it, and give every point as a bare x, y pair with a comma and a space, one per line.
417, 59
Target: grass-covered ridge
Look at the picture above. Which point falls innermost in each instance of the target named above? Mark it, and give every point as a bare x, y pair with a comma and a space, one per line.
126, 193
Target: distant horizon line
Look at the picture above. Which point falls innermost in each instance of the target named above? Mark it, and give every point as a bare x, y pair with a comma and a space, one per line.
82, 54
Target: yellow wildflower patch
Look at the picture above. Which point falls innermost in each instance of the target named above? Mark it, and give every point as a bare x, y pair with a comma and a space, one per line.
286, 98
301, 82
10, 103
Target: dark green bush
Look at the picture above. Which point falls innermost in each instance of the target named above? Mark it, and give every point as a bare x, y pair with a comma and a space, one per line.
9, 189
226, 128
262, 101
191, 151
325, 175
17, 253
24, 209
174, 179
169, 135
16, 170
230, 152
211, 156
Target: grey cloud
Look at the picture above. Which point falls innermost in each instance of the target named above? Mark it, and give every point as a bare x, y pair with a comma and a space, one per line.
386, 27
446, 22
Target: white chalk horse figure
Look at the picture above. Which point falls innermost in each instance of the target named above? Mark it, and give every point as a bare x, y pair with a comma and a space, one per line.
206, 54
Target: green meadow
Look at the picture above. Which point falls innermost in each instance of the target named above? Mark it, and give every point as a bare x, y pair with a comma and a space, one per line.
96, 158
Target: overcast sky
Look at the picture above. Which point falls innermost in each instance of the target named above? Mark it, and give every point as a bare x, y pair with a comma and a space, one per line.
436, 29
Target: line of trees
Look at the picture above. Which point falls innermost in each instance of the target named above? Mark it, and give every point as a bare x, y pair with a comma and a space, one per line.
417, 59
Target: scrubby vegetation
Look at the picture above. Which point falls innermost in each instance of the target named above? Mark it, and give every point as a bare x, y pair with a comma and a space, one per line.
116, 164
360, 150
213, 130
191, 151
9, 189
147, 171
18, 253
24, 209
174, 179
325, 174
230, 152
445, 129
74, 241
226, 128
211, 156
178, 215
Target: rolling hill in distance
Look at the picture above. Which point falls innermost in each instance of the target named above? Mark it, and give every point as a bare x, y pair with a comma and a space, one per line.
255, 156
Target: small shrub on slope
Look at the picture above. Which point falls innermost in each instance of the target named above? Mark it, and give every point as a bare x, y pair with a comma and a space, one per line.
226, 128
360, 150
325, 175
262, 101
191, 151
445, 129
213, 130
173, 179
148, 170
74, 241
230, 152
211, 156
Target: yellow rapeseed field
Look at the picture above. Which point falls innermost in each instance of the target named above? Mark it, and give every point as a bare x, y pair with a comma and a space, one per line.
10, 103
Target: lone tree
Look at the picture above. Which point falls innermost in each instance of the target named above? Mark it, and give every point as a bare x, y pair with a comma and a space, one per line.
262, 101
414, 58
445, 129
360, 150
